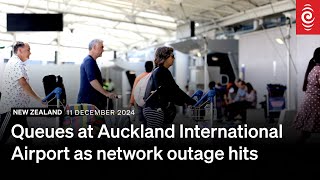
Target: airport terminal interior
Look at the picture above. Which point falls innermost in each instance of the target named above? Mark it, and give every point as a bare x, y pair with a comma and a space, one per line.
220, 41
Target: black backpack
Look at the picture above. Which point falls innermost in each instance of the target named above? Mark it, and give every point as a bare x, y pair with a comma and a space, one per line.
50, 82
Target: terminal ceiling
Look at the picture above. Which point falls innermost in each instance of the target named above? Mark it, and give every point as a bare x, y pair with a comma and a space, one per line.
132, 24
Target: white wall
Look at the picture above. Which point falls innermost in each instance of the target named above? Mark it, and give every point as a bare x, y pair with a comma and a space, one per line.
1, 69
258, 50
181, 69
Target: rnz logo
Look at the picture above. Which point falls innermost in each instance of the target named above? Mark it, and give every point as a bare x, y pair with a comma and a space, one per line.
307, 17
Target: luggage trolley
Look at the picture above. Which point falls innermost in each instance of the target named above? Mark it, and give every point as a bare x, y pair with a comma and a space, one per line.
203, 111
275, 101
72, 120
57, 94
75, 122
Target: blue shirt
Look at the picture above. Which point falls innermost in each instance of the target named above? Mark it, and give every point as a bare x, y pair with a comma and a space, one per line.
241, 94
89, 71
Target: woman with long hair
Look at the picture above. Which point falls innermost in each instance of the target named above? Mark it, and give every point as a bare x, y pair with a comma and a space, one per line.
308, 117
251, 96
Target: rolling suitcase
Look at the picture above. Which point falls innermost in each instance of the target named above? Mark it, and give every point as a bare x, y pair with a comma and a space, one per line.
121, 117
74, 121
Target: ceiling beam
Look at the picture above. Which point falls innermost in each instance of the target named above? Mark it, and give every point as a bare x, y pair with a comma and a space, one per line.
258, 12
167, 32
252, 3
96, 16
262, 11
128, 10
199, 4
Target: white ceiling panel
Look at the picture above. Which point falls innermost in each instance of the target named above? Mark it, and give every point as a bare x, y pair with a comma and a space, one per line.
128, 24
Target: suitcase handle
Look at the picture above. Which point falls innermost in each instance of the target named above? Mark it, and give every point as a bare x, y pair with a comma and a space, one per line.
57, 91
116, 102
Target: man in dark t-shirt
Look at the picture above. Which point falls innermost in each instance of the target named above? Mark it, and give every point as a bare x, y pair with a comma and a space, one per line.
91, 85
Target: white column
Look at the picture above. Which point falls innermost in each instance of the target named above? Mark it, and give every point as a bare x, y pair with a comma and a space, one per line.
125, 89
1, 68
274, 70
58, 49
181, 69
206, 75
288, 70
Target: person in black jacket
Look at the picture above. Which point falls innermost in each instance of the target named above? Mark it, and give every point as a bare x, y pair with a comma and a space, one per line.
162, 93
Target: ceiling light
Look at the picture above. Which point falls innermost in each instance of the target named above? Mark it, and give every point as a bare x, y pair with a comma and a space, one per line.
279, 41
214, 58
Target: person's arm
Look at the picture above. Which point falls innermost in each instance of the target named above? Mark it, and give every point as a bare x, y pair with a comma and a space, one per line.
131, 103
90, 69
250, 96
97, 86
173, 90
237, 97
27, 88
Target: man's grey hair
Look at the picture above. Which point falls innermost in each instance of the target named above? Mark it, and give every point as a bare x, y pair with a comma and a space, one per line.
94, 42
17, 45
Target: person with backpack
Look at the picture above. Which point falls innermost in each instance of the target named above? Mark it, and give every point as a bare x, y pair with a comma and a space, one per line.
162, 92
148, 68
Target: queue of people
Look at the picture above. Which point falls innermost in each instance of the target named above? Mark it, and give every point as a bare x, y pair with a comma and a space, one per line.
16, 91
162, 93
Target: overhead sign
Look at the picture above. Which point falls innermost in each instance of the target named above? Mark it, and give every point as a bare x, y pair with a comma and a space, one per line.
34, 22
